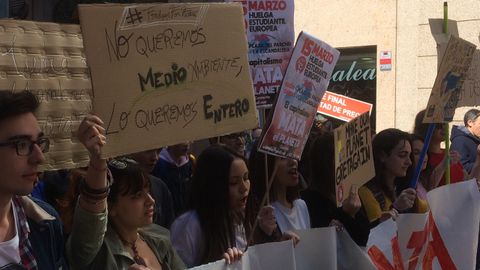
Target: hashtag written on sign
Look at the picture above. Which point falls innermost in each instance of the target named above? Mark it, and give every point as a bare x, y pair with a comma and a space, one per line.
133, 16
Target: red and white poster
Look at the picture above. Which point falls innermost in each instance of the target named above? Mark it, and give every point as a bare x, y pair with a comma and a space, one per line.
305, 82
444, 238
270, 35
342, 107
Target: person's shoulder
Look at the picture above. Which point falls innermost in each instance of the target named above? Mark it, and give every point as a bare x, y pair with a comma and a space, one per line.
158, 236
460, 133
186, 224
37, 209
157, 181
187, 218
300, 203
365, 191
156, 231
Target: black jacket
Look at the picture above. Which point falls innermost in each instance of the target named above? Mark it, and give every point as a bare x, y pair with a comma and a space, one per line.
322, 211
466, 144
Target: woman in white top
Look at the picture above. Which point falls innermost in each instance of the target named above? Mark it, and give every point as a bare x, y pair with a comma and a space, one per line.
218, 224
291, 212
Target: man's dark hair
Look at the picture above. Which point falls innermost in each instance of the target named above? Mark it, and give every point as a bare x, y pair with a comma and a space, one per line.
16, 103
471, 114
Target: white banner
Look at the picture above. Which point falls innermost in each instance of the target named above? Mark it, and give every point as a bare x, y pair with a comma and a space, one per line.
276, 255
317, 247
320, 248
444, 238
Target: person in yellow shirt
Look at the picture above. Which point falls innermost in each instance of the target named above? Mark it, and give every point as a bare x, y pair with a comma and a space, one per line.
392, 154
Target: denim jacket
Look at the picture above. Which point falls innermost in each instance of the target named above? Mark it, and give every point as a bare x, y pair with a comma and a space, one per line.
46, 235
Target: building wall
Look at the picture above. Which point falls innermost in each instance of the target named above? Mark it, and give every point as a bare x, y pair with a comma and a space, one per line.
347, 23
411, 30
464, 22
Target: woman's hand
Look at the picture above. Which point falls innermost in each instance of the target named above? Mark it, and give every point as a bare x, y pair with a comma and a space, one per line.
266, 220
92, 135
405, 200
232, 255
393, 213
288, 235
352, 204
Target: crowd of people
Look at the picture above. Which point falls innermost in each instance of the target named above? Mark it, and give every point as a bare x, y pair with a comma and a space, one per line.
166, 209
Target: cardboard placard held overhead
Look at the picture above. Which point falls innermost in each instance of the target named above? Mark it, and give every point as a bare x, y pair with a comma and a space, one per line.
447, 87
305, 82
353, 156
48, 60
167, 73
271, 36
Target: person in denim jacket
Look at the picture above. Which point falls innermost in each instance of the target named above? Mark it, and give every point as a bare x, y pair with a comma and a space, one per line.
30, 231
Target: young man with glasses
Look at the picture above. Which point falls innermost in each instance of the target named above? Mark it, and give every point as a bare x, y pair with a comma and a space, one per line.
30, 230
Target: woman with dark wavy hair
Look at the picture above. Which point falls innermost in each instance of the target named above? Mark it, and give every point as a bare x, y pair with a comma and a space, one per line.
218, 221
392, 155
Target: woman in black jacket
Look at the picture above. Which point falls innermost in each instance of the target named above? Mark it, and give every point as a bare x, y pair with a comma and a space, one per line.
320, 195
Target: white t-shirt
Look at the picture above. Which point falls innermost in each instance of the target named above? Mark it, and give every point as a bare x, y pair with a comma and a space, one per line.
296, 218
9, 253
187, 238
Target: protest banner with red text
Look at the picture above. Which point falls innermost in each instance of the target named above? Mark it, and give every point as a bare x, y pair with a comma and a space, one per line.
270, 35
342, 107
305, 82
444, 238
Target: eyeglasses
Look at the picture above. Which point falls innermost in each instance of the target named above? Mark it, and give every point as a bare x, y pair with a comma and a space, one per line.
24, 146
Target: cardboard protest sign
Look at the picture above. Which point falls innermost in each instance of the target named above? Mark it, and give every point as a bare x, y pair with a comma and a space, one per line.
353, 156
270, 34
305, 82
342, 107
451, 74
47, 59
444, 238
168, 73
